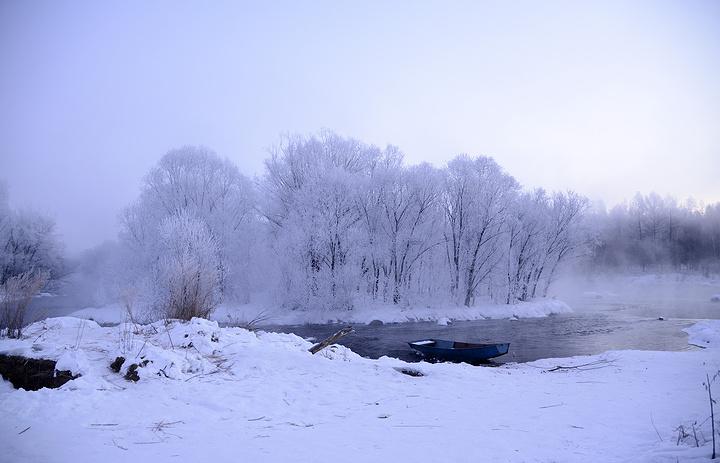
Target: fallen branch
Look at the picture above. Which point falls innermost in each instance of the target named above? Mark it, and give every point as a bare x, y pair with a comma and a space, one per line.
585, 366
202, 374
331, 340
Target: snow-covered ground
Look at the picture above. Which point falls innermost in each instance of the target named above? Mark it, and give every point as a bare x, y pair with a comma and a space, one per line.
228, 394
704, 333
387, 313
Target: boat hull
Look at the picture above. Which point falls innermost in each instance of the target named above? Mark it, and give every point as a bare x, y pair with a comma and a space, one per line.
458, 351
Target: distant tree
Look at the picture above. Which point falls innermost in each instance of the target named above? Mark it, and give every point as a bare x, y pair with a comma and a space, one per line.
654, 233
28, 243
30, 256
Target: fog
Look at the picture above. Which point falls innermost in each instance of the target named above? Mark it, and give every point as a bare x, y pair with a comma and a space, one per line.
334, 155
605, 99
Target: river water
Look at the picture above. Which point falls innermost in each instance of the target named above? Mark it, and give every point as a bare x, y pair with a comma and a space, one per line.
530, 338
639, 317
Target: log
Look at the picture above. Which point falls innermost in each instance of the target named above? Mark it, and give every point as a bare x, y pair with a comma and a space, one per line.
331, 340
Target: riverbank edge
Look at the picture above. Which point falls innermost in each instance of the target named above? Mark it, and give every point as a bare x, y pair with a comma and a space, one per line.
263, 315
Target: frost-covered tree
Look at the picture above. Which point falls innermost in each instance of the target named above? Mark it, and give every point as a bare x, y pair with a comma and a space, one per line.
477, 197
525, 232
408, 224
563, 236
30, 257
187, 271
310, 187
340, 221
197, 182
28, 243
543, 231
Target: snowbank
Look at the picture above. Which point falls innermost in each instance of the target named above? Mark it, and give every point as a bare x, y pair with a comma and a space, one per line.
207, 393
109, 314
704, 334
388, 313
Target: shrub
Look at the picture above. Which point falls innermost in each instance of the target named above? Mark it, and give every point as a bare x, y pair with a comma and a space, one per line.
15, 296
188, 274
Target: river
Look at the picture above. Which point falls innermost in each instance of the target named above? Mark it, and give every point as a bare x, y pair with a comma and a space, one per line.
641, 316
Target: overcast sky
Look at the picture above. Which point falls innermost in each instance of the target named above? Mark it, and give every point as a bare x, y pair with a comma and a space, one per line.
606, 98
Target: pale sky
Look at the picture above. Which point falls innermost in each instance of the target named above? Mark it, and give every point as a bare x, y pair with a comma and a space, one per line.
605, 98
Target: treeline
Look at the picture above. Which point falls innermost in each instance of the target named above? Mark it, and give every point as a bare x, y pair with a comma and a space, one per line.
655, 233
333, 223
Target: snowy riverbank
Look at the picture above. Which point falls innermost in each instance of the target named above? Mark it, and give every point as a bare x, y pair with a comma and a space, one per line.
228, 394
386, 313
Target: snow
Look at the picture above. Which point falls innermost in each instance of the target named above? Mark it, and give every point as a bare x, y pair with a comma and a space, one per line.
443, 314
705, 333
423, 343
389, 313
228, 394
109, 314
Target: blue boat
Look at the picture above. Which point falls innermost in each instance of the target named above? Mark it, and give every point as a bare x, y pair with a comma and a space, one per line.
458, 351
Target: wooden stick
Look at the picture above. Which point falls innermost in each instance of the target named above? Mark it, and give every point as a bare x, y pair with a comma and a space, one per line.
331, 340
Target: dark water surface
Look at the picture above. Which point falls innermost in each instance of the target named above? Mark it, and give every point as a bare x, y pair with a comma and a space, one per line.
529, 338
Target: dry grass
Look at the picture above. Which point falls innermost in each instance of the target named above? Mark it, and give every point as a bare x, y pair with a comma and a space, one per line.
15, 297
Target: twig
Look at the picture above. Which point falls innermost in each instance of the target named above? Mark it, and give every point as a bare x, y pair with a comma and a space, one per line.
585, 366
118, 445
161, 425
416, 426
167, 330
162, 370
655, 427
712, 411
554, 405
203, 374
141, 349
